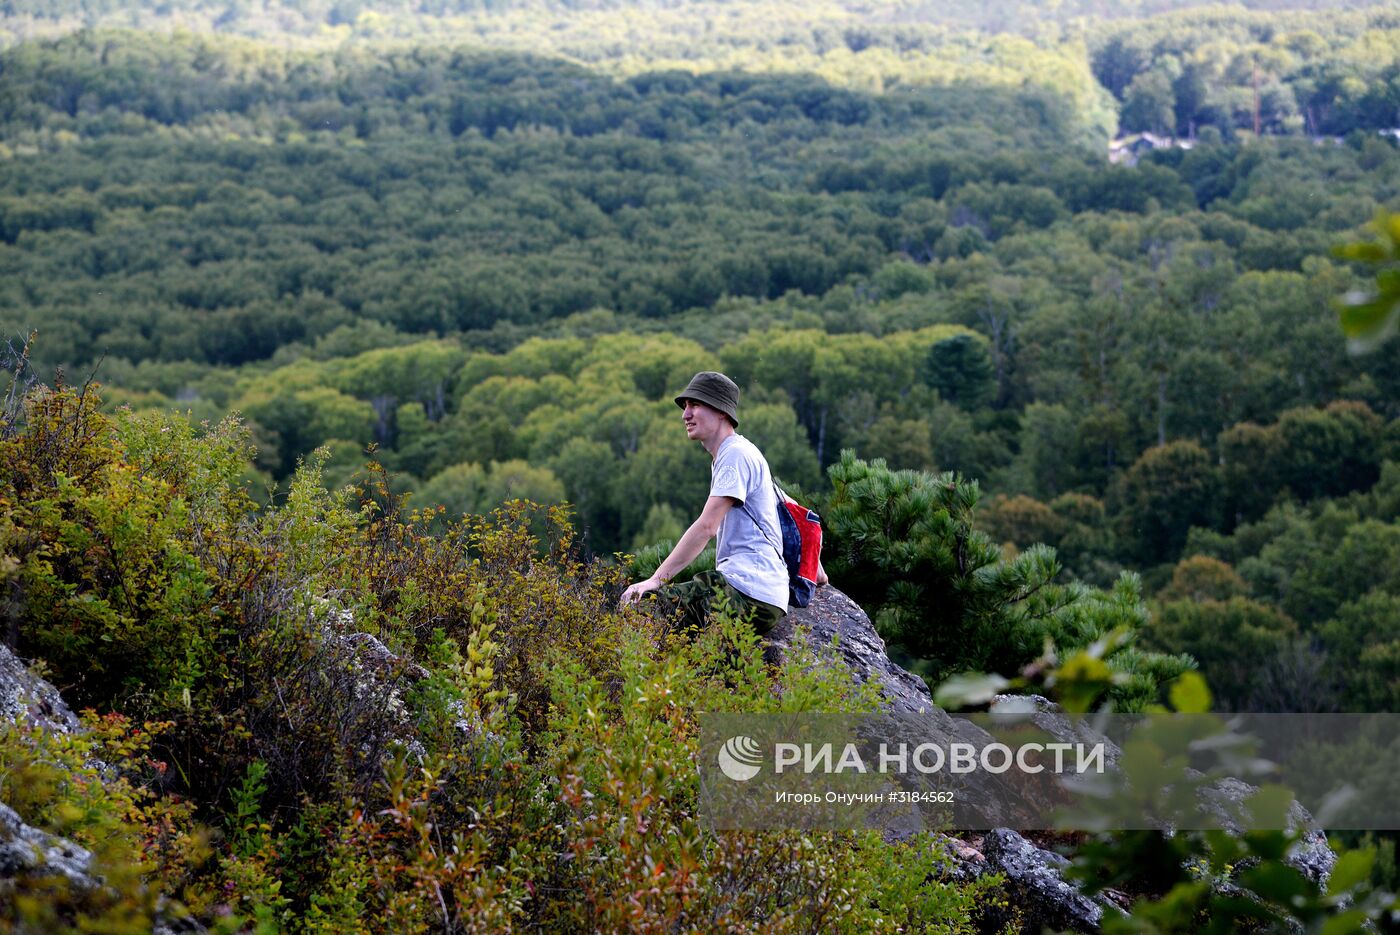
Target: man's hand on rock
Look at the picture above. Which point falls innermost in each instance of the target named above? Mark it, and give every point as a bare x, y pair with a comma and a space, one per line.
634, 593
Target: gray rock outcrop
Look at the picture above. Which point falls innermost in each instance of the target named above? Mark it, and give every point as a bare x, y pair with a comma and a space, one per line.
29, 852
1034, 882
835, 624
29, 855
1311, 855
834, 617
836, 627
28, 699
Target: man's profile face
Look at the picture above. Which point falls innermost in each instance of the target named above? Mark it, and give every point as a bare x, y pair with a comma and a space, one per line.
702, 422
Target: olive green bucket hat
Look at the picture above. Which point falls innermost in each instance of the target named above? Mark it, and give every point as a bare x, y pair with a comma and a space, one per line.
713, 389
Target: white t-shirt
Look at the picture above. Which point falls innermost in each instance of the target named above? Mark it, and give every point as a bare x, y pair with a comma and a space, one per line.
748, 551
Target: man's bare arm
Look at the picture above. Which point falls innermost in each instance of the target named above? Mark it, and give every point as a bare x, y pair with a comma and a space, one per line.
690, 545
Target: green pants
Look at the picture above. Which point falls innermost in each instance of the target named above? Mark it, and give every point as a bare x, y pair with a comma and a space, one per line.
691, 600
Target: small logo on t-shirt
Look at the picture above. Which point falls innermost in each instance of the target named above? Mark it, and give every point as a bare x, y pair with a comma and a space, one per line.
726, 478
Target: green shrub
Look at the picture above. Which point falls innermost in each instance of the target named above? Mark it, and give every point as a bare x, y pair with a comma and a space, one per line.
903, 544
101, 789
394, 730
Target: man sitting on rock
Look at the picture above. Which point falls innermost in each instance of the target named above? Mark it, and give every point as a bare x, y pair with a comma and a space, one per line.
742, 511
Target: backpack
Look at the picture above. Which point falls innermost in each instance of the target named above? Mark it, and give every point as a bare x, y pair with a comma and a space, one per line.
802, 548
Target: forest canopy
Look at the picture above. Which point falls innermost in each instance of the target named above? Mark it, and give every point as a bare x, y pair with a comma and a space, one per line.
359, 325
900, 235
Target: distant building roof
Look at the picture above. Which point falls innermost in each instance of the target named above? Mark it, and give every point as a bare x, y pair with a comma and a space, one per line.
1126, 149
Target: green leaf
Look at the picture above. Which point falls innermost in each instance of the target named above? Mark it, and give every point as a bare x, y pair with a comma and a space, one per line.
1225, 850
1268, 845
1365, 252
1389, 224
1268, 808
1360, 309
1367, 319
1189, 694
1353, 920
1275, 882
1352, 869
1084, 667
1370, 316
1388, 282
969, 688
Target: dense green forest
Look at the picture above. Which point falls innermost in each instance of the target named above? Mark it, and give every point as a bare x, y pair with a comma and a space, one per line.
496, 267
1050, 405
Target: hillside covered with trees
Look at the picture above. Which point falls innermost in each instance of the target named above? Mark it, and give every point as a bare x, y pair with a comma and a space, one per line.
482, 244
